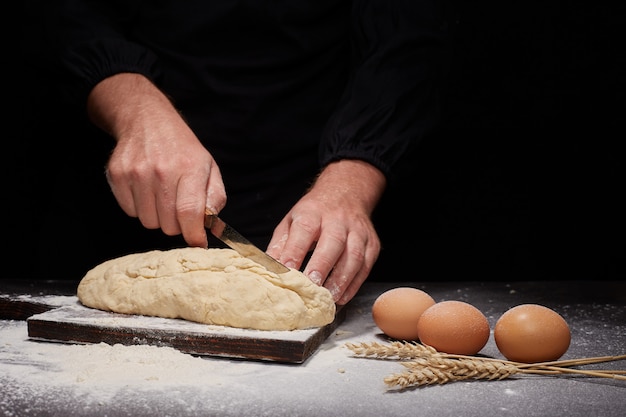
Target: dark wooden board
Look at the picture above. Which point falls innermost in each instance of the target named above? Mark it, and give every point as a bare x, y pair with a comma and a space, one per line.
79, 324
12, 309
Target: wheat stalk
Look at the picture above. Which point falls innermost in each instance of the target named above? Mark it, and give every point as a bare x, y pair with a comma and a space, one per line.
428, 366
442, 370
574, 362
393, 350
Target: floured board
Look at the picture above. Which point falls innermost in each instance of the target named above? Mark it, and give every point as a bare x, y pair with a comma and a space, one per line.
79, 324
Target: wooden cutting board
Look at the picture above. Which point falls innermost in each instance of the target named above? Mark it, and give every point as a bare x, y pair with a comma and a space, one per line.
75, 323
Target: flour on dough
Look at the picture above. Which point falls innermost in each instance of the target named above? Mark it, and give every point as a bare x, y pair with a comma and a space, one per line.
211, 286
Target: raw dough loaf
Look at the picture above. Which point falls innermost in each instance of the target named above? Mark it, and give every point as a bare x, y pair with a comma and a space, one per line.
212, 286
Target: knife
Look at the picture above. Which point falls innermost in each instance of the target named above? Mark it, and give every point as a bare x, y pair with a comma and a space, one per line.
236, 241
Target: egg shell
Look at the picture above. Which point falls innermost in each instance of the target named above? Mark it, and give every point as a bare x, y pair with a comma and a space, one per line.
532, 333
397, 311
454, 327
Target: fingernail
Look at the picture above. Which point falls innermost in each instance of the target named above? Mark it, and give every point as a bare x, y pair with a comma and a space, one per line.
290, 264
316, 277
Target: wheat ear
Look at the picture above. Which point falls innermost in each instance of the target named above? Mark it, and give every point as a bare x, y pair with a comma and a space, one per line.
428, 366
441, 371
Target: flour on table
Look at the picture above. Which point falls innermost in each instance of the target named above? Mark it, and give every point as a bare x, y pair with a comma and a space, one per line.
101, 370
211, 286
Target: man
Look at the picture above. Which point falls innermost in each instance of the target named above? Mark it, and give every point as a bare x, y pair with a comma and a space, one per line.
302, 113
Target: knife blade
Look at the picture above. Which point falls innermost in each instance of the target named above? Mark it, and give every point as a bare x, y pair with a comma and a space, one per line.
236, 241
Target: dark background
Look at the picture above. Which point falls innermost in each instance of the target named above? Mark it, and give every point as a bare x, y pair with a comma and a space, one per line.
524, 180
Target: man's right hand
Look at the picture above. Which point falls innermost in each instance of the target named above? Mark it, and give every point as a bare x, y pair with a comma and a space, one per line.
158, 171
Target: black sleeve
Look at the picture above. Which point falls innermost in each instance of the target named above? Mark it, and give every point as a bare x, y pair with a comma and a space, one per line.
93, 44
392, 99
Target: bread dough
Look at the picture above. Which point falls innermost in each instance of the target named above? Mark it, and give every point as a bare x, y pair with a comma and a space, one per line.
212, 286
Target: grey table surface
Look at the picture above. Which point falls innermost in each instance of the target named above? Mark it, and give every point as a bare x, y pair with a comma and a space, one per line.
44, 378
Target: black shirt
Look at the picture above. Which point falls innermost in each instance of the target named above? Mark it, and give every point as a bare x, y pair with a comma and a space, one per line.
274, 90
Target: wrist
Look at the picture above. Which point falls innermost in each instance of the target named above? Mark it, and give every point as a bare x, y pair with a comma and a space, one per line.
119, 101
356, 178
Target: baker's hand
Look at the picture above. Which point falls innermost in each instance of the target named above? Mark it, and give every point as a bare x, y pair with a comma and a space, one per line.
158, 171
334, 220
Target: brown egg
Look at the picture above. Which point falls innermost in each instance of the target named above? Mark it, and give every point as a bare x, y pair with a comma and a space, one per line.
532, 333
397, 311
454, 327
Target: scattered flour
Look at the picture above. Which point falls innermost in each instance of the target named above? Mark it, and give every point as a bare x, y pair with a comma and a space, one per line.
51, 300
97, 369
57, 379
41, 378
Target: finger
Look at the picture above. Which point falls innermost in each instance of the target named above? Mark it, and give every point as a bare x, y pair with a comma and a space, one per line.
215, 190
371, 255
347, 292
301, 237
145, 203
328, 255
348, 266
190, 209
132, 194
166, 195
121, 192
278, 240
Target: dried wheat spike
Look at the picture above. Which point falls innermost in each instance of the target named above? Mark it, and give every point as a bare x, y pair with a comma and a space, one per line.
428, 371
428, 366
422, 376
402, 350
